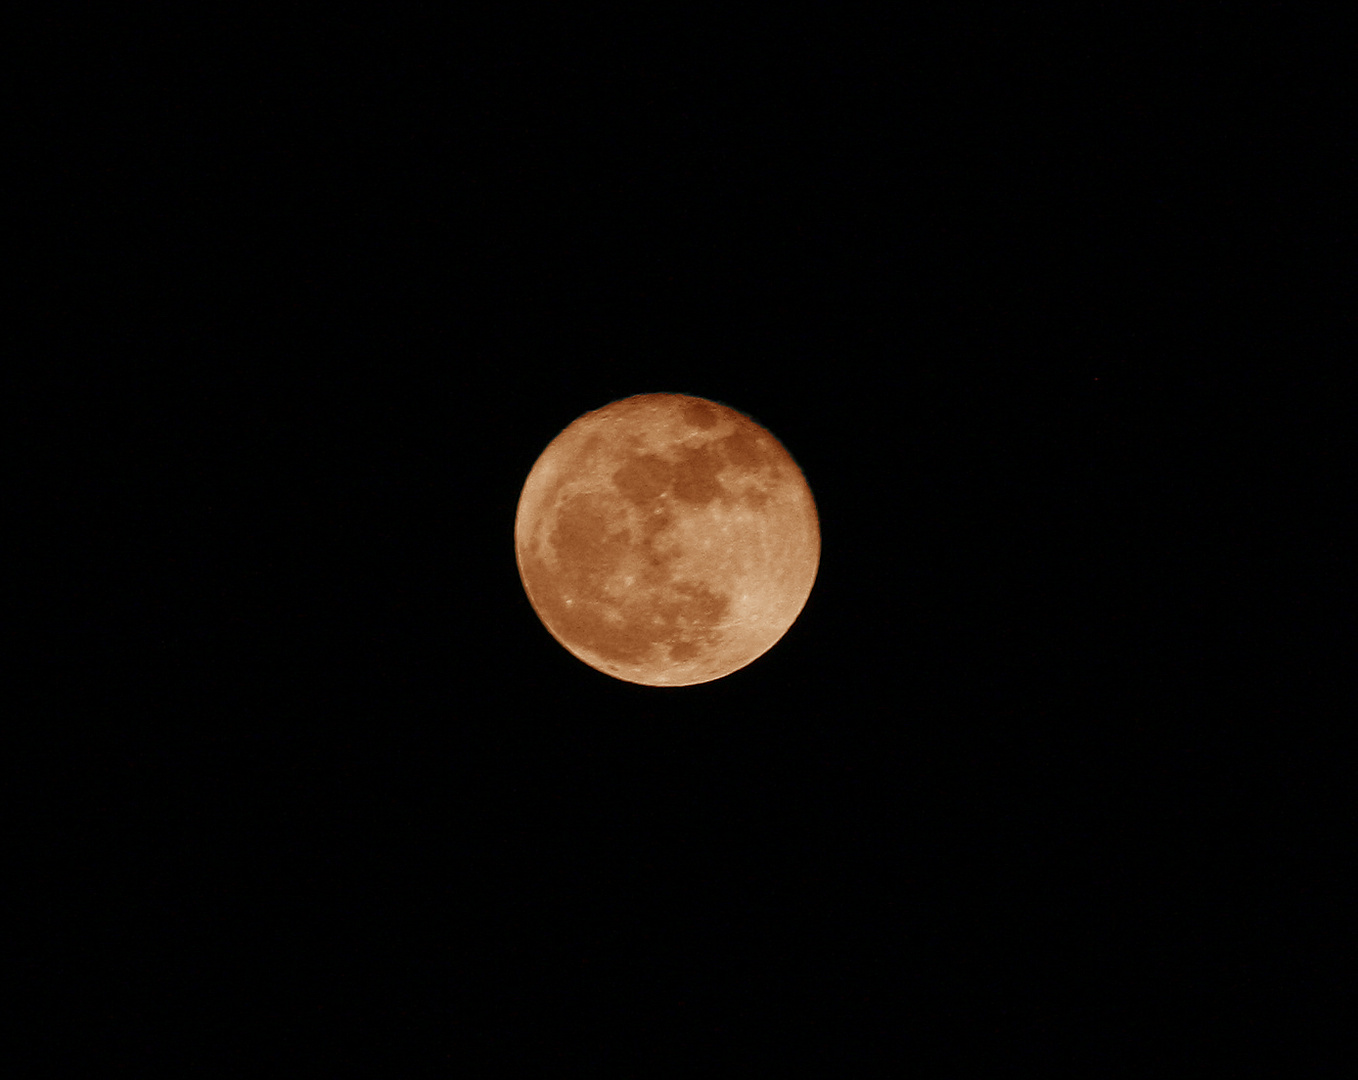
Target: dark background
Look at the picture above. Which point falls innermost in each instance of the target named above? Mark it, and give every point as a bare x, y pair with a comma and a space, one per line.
1052, 317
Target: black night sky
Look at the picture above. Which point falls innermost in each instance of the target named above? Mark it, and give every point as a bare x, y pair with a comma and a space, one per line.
1049, 317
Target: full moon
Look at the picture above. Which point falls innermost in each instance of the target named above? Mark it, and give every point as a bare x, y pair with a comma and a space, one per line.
666, 540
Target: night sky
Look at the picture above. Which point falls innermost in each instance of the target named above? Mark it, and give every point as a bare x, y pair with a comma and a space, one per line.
1050, 318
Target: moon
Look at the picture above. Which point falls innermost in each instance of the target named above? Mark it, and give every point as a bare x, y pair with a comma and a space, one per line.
666, 540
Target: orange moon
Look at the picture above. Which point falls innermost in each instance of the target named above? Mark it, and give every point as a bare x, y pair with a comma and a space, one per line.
666, 540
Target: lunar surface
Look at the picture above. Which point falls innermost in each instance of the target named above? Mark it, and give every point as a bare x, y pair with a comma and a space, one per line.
666, 540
